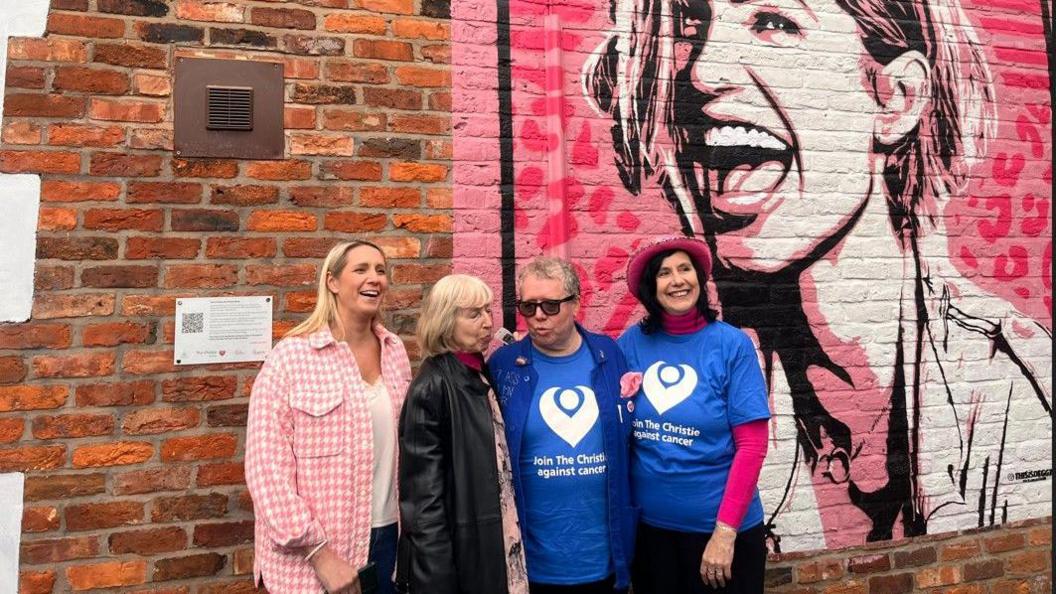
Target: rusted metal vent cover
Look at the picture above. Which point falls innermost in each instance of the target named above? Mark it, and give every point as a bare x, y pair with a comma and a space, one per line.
228, 109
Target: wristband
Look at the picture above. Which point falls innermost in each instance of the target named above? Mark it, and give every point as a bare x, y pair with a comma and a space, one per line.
315, 550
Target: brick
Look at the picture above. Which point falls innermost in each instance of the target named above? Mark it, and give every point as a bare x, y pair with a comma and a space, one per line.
143, 8
115, 333
81, 248
421, 29
219, 12
942, 575
79, 191
169, 33
148, 542
228, 415
22, 133
81, 5
88, 364
11, 430
401, 148
159, 420
279, 170
869, 563
354, 222
818, 571
200, 447
437, 54
70, 426
383, 197
392, 98
57, 550
321, 144
77, 25
85, 135
777, 576
220, 168
358, 72
110, 514
124, 110
136, 393
248, 37
417, 172
281, 220
440, 101
179, 568
115, 277
322, 196
56, 219
916, 557
420, 124
1029, 562
63, 486
148, 305
298, 118
12, 370
211, 475
353, 121
283, 18
200, 219
281, 275
34, 335
25, 77
378, 49
236, 248
304, 68
40, 519
119, 453
423, 223
46, 50
419, 273
189, 507
418, 76
36, 582
72, 306
198, 276
355, 23
122, 219
892, 584
1008, 541
244, 195
39, 162
983, 570
43, 106
125, 165
316, 94
237, 587
242, 561
168, 478
111, 573
308, 247
82, 79
224, 534
352, 170
139, 248
152, 85
52, 278
151, 139
164, 192
390, 6
440, 9
131, 55
311, 45
1040, 536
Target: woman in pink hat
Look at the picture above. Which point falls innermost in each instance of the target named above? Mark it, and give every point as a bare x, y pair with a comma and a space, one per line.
700, 431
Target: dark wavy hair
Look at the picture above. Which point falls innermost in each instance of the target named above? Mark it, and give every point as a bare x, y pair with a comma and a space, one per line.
647, 293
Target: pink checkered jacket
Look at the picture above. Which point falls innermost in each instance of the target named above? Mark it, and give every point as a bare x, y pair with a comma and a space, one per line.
309, 454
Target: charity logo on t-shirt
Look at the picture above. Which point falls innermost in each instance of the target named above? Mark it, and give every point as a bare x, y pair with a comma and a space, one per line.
569, 412
666, 386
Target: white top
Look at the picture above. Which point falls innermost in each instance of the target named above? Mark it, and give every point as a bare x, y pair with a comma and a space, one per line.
384, 509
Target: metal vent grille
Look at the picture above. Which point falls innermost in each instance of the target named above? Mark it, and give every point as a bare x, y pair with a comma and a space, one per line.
229, 108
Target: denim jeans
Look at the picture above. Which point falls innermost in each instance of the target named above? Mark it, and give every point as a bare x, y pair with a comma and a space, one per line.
383, 555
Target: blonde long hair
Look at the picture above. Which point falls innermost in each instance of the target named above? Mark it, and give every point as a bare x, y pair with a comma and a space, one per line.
326, 313
436, 323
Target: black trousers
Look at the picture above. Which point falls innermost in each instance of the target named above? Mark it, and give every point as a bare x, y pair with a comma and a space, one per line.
668, 562
605, 586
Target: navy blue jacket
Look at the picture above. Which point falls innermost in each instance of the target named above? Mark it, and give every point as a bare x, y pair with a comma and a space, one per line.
515, 378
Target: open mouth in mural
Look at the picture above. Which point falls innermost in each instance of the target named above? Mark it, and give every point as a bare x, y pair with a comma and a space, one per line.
744, 166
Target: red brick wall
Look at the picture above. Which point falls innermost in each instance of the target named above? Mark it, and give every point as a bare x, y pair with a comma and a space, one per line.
134, 473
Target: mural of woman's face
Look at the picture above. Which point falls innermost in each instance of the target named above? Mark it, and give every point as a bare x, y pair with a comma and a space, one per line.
773, 121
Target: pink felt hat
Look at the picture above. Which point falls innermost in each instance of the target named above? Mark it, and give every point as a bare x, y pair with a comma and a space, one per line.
698, 251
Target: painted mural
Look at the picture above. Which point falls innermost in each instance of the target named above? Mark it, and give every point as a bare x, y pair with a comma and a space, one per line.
875, 179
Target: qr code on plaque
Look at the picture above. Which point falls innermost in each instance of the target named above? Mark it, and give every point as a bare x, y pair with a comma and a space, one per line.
193, 323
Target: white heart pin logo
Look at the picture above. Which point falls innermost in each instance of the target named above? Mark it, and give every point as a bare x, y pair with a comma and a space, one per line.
570, 413
667, 385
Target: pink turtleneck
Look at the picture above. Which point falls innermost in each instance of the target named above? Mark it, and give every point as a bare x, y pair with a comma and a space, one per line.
686, 323
474, 361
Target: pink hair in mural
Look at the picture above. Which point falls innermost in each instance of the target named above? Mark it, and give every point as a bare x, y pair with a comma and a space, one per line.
875, 180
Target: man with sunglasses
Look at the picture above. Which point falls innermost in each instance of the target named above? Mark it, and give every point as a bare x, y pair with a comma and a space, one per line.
568, 432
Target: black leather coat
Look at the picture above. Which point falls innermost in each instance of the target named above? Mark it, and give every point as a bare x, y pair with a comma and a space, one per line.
451, 520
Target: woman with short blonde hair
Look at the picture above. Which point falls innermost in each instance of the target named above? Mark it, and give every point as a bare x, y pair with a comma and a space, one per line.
321, 440
459, 524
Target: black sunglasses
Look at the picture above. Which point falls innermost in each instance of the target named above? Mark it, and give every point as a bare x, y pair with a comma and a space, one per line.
550, 307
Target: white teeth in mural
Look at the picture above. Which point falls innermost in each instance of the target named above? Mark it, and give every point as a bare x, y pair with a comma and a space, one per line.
741, 136
665, 386
574, 417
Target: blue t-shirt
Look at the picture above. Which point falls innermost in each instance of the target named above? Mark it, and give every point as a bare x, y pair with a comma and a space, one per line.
695, 388
563, 470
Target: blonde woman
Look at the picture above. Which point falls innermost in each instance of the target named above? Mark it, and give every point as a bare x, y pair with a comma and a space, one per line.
459, 523
321, 443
